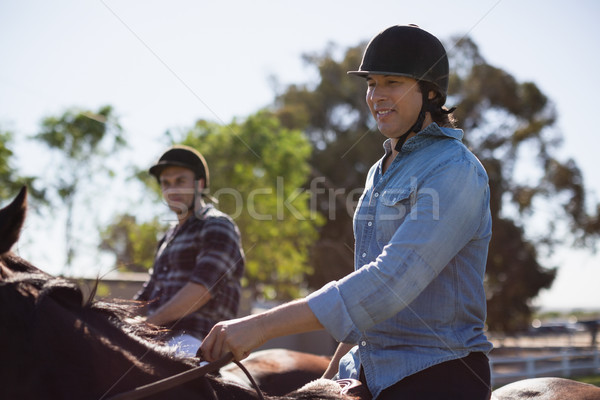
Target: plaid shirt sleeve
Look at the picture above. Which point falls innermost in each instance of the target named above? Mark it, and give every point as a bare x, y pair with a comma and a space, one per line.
219, 254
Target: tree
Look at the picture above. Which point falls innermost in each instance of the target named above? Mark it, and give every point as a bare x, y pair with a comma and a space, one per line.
83, 140
507, 124
346, 143
132, 243
10, 181
257, 169
510, 126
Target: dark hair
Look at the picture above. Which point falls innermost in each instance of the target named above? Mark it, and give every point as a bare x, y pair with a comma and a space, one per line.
440, 114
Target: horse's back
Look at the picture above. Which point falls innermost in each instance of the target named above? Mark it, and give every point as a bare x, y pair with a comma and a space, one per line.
279, 371
547, 389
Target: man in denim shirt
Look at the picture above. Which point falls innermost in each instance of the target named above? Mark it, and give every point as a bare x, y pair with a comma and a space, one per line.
410, 318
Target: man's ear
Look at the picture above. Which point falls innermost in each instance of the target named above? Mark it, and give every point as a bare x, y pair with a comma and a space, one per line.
201, 184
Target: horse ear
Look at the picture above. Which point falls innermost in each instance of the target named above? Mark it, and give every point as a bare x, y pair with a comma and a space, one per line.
11, 221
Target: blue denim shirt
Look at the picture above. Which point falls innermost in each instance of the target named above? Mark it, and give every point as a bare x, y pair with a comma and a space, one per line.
416, 297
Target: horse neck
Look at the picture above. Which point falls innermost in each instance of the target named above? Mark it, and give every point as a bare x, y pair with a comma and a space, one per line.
116, 362
52, 347
57, 352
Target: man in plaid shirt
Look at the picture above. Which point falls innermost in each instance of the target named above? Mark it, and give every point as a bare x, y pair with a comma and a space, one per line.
195, 280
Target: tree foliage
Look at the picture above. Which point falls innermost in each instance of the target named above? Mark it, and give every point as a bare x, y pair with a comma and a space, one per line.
256, 172
257, 169
133, 243
509, 125
83, 140
536, 197
10, 181
346, 143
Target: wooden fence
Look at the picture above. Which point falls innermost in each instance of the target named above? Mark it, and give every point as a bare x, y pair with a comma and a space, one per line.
563, 363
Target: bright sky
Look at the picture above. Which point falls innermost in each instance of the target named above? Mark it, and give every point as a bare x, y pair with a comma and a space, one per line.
163, 65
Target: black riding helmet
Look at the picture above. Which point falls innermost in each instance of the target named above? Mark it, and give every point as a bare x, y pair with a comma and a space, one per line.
407, 50
182, 156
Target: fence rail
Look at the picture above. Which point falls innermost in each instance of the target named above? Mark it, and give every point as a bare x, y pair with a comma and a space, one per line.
567, 363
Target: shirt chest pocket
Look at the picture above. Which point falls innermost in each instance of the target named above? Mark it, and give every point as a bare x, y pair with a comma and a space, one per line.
393, 208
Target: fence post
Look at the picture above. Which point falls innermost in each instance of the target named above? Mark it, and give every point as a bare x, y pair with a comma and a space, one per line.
530, 367
565, 364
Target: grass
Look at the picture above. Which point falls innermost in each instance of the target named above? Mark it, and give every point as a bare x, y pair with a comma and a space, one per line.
593, 379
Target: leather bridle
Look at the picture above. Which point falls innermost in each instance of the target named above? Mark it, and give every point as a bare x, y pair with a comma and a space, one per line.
183, 377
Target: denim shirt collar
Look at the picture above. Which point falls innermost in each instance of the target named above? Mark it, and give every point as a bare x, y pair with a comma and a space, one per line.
432, 132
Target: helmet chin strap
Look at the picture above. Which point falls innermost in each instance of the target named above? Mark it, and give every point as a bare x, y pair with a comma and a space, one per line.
197, 198
199, 195
417, 126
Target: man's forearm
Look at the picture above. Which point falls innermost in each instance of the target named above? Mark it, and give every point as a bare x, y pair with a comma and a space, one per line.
190, 298
290, 318
241, 336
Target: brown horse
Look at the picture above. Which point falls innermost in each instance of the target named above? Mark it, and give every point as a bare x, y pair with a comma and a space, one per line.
278, 371
55, 345
547, 389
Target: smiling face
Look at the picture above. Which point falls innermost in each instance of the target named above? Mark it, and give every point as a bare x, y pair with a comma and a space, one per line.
395, 103
177, 185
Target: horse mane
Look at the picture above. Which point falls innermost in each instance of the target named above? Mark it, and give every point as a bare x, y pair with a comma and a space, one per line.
120, 313
50, 336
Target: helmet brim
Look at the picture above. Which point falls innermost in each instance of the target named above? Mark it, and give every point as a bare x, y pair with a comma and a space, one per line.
364, 74
158, 169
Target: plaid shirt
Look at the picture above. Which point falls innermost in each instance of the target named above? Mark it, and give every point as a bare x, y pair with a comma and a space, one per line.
206, 250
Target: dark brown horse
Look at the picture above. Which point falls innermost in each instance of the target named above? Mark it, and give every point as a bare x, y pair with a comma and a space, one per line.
547, 389
278, 371
55, 345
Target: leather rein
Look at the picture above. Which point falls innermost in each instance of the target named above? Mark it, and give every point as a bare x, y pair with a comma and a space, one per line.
184, 377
